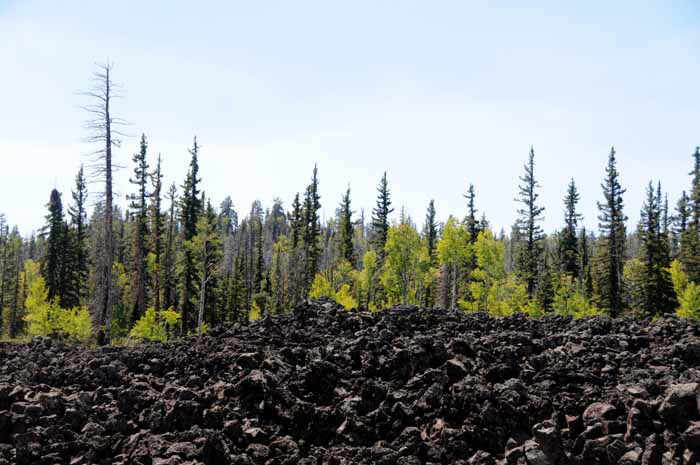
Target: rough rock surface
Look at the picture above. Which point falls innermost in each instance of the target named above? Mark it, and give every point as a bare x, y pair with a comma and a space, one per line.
325, 386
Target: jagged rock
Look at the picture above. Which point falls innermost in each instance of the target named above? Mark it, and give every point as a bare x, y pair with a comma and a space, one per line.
680, 404
326, 386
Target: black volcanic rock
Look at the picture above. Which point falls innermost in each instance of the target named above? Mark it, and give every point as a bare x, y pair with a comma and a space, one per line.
325, 386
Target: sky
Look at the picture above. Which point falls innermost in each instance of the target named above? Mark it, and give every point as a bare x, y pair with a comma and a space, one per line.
439, 94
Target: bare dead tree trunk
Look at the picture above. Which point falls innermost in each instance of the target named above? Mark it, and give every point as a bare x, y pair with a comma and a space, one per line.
102, 131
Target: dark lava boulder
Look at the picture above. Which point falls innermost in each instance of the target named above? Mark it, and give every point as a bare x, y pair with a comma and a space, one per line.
325, 386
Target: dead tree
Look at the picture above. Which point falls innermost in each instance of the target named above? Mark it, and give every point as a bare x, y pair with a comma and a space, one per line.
104, 131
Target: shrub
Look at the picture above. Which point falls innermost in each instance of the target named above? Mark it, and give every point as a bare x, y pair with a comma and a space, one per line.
76, 323
158, 326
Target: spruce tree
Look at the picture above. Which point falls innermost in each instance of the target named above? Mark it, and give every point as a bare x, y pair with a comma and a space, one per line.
531, 246
471, 221
657, 293
569, 247
78, 238
610, 260
169, 269
380, 218
297, 221
430, 232
346, 230
586, 276
157, 223
680, 223
312, 231
54, 264
190, 210
690, 239
139, 206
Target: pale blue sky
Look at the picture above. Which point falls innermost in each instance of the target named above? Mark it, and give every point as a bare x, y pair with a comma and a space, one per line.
440, 94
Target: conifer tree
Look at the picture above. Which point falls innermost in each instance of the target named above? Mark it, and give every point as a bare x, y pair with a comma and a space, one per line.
586, 276
311, 232
169, 270
531, 247
157, 222
690, 240
54, 264
430, 235
78, 215
380, 218
139, 206
345, 229
430, 232
471, 221
190, 210
610, 260
680, 223
657, 293
569, 247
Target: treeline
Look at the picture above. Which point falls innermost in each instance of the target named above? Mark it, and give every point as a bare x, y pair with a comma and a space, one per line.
172, 262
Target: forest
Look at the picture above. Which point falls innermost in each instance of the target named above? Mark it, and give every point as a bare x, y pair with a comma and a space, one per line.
173, 262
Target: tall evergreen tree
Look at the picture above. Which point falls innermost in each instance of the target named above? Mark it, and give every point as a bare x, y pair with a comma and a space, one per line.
190, 210
169, 269
586, 276
430, 232
312, 230
569, 247
380, 218
157, 222
297, 221
54, 264
531, 247
471, 221
139, 206
657, 293
680, 223
690, 240
610, 260
345, 229
79, 269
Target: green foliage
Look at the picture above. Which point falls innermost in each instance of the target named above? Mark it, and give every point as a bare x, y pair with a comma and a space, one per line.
406, 263
255, 312
491, 289
688, 292
157, 326
76, 323
568, 300
690, 302
322, 287
42, 315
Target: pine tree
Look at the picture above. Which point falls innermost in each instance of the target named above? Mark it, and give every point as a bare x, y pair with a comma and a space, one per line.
157, 223
380, 218
690, 239
346, 230
190, 210
311, 232
569, 247
586, 277
430, 232
680, 223
657, 293
610, 260
54, 264
169, 269
139, 207
471, 221
78, 215
531, 247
